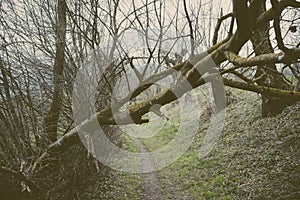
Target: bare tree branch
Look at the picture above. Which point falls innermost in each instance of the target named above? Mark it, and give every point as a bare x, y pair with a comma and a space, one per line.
217, 28
294, 95
270, 58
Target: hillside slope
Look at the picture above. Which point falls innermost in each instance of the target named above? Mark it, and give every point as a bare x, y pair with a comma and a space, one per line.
254, 158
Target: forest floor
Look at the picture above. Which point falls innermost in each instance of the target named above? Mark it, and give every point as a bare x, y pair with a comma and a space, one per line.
254, 158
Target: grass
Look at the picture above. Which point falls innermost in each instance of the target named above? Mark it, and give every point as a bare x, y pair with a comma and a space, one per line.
165, 135
254, 158
117, 184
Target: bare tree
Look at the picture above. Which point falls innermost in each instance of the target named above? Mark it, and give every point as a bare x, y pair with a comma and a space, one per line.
44, 43
52, 116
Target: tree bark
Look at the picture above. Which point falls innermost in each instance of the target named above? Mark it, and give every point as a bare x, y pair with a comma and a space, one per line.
51, 119
266, 73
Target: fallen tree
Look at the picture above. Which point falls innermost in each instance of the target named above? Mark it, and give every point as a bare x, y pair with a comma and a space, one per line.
200, 69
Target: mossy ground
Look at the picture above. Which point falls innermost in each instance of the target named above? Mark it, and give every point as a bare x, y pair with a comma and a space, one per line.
254, 158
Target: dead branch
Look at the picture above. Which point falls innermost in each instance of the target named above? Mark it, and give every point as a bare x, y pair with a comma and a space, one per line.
217, 28
263, 89
270, 58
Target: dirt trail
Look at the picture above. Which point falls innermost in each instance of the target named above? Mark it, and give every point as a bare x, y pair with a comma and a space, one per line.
150, 182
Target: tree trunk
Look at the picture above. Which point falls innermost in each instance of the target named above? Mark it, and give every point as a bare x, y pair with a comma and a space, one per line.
51, 119
266, 75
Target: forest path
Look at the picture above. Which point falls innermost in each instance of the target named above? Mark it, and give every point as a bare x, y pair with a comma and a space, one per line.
150, 182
